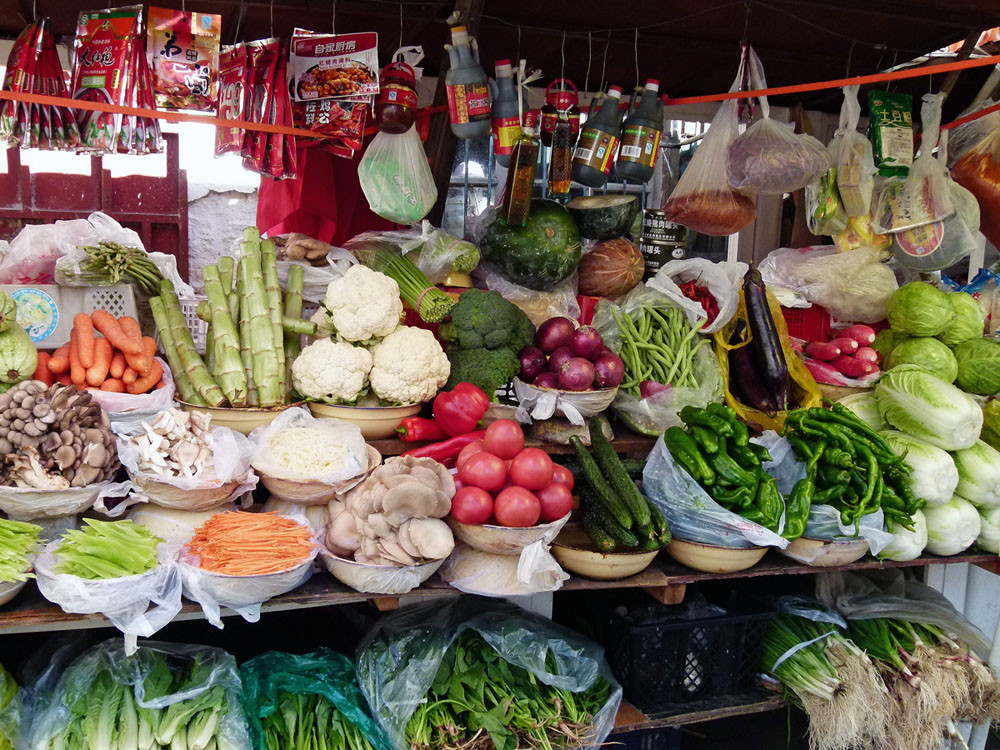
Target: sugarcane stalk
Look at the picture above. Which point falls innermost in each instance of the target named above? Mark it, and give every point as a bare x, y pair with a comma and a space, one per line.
234, 305
226, 265
190, 361
293, 313
272, 288
182, 382
239, 312
204, 312
297, 326
228, 364
262, 350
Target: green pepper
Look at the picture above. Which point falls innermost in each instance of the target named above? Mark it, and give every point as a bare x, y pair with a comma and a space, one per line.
732, 496
803, 450
761, 452
727, 470
744, 456
798, 505
838, 458
692, 415
769, 501
824, 497
707, 440
831, 477
741, 436
685, 451
828, 432
811, 464
754, 515
874, 476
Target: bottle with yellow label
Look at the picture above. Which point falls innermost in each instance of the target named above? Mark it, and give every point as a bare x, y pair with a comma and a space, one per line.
641, 135
595, 151
506, 116
520, 179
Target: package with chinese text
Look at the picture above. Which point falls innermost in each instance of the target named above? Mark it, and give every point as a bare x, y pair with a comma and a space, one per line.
184, 57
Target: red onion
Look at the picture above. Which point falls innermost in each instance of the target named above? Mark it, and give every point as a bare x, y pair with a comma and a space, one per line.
546, 380
533, 362
586, 342
553, 333
559, 357
602, 351
649, 388
609, 371
576, 374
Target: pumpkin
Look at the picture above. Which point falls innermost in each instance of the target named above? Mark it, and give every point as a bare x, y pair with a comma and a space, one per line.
8, 311
18, 356
612, 268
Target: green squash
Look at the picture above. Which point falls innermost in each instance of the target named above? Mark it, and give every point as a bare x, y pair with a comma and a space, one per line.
604, 217
18, 356
8, 311
538, 255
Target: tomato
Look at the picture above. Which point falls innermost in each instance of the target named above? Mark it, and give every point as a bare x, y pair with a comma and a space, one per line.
476, 446
562, 475
504, 438
472, 505
459, 484
531, 469
556, 500
516, 506
483, 470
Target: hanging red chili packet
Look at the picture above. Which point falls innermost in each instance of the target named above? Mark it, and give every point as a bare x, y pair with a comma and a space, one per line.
184, 57
233, 93
101, 72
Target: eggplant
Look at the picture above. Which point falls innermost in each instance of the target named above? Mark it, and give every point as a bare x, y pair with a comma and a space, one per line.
745, 381
764, 339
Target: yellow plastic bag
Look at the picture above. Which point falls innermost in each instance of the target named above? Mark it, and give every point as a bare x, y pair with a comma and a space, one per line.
804, 391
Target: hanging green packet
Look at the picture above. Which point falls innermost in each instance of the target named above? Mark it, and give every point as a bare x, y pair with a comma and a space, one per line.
278, 687
890, 129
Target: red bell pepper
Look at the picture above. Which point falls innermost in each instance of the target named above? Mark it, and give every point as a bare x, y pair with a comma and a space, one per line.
419, 429
446, 451
459, 411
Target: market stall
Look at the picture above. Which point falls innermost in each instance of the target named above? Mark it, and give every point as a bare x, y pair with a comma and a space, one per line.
559, 402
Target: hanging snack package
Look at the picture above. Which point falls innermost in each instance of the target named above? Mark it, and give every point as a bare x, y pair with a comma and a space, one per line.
184, 56
703, 199
853, 159
977, 168
770, 157
140, 135
890, 129
271, 154
101, 72
232, 100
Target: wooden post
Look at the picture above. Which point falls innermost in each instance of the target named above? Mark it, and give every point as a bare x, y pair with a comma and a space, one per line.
963, 54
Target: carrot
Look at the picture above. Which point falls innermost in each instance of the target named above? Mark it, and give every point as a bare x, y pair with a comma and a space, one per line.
102, 363
84, 328
129, 376
59, 361
247, 544
105, 323
63, 378
142, 362
117, 365
42, 371
77, 372
145, 383
113, 385
130, 327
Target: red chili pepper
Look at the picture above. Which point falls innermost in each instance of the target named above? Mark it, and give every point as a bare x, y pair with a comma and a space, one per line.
458, 411
447, 450
419, 429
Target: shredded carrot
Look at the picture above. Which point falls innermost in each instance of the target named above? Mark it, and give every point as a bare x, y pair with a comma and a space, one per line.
250, 544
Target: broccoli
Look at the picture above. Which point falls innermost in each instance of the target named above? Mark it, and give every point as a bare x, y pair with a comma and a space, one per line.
484, 337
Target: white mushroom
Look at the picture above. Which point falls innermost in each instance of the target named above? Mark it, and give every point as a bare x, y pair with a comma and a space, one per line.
430, 537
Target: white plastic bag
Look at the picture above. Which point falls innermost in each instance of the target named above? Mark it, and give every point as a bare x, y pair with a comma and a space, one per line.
693, 516
542, 403
396, 179
25, 504
559, 301
315, 279
434, 251
724, 280
853, 286
769, 157
126, 411
137, 605
30, 258
473, 571
355, 451
853, 158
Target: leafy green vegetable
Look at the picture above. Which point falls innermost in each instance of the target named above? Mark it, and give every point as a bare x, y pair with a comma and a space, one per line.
969, 320
928, 353
989, 533
17, 540
886, 340
906, 544
991, 423
952, 527
978, 366
919, 309
10, 710
933, 476
925, 407
865, 408
979, 475
107, 549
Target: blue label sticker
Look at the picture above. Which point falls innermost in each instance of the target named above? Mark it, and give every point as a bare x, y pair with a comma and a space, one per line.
37, 312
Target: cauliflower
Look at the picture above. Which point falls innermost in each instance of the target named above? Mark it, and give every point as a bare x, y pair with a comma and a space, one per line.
409, 366
331, 371
363, 304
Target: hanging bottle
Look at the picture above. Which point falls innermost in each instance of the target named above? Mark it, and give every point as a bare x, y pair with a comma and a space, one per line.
395, 107
564, 98
520, 179
641, 135
595, 151
467, 87
561, 159
506, 116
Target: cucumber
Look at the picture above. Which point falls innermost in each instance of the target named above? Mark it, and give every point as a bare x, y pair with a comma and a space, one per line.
612, 467
598, 536
600, 514
602, 489
634, 467
659, 522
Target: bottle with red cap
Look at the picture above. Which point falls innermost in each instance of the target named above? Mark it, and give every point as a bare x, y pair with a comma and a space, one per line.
641, 135
595, 151
561, 97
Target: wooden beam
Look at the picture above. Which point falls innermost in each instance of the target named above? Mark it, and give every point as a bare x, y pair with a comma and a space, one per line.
966, 50
672, 594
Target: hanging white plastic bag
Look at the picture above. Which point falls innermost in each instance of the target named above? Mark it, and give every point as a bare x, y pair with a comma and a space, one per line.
127, 411
825, 214
396, 179
693, 516
853, 159
137, 605
724, 280
769, 157
920, 198
26, 504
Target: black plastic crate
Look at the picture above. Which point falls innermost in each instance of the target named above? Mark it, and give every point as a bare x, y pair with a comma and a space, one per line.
668, 738
664, 663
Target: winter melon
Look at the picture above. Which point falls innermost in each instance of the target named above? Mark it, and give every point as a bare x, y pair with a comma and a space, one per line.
602, 217
538, 255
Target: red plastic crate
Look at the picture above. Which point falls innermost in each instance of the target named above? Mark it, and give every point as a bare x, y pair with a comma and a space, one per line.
807, 323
